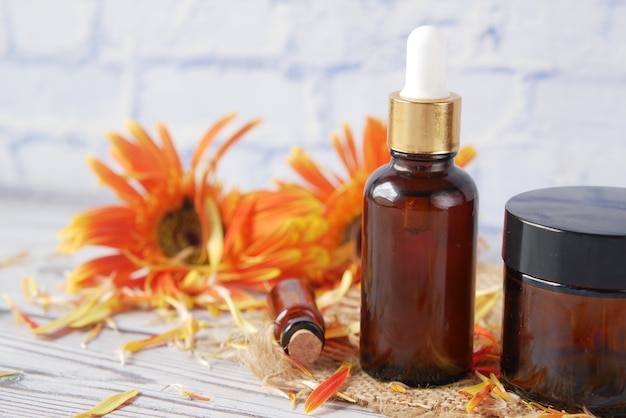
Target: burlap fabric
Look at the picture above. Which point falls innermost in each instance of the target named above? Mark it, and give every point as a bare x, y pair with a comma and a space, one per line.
278, 374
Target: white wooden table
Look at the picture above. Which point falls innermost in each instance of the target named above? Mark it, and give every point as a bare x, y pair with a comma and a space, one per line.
61, 379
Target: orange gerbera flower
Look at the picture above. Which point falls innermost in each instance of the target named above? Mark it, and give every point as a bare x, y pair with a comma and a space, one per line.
179, 236
343, 194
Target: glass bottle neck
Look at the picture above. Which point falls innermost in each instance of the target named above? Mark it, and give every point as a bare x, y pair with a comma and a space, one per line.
421, 162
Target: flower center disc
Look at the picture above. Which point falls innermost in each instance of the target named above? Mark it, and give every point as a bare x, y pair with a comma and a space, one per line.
179, 233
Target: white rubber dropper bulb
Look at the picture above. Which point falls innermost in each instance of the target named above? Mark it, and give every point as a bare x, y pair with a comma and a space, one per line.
425, 65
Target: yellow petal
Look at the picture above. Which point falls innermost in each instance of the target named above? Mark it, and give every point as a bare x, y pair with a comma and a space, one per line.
340, 331
398, 387
134, 346
64, 321
93, 333
240, 320
29, 289
11, 373
478, 397
215, 241
95, 315
110, 404
333, 296
485, 301
474, 389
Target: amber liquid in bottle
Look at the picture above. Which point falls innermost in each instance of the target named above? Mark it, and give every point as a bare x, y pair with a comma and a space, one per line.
565, 346
418, 257
298, 325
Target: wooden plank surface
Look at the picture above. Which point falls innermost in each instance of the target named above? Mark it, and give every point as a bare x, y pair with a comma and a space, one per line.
61, 379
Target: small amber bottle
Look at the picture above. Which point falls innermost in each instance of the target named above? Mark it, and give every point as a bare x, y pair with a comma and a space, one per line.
299, 325
419, 245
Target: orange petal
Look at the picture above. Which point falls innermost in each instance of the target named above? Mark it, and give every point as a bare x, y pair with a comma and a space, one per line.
293, 361
107, 225
238, 228
346, 150
482, 332
234, 138
293, 397
302, 163
146, 144
465, 155
189, 394
327, 389
19, 315
478, 393
138, 164
169, 150
117, 266
116, 182
375, 145
479, 354
208, 139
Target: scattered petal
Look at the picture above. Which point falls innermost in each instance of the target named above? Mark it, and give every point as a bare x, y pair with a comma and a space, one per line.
474, 389
110, 404
333, 296
78, 314
93, 333
14, 259
478, 397
486, 369
293, 397
293, 361
500, 391
479, 354
240, 320
215, 241
11, 373
465, 155
340, 331
201, 358
327, 389
189, 394
29, 289
19, 315
134, 346
398, 387
485, 301
482, 332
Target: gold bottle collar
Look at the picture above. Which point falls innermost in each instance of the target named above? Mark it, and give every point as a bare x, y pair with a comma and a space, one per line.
424, 126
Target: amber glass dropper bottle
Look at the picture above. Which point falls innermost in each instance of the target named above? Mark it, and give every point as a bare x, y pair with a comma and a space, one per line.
420, 234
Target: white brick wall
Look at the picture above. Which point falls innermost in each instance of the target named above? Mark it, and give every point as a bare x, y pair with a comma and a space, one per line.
544, 83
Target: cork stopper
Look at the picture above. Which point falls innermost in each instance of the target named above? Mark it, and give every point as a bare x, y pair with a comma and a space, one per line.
304, 346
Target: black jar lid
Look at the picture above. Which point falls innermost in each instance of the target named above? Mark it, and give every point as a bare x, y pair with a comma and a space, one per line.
574, 236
